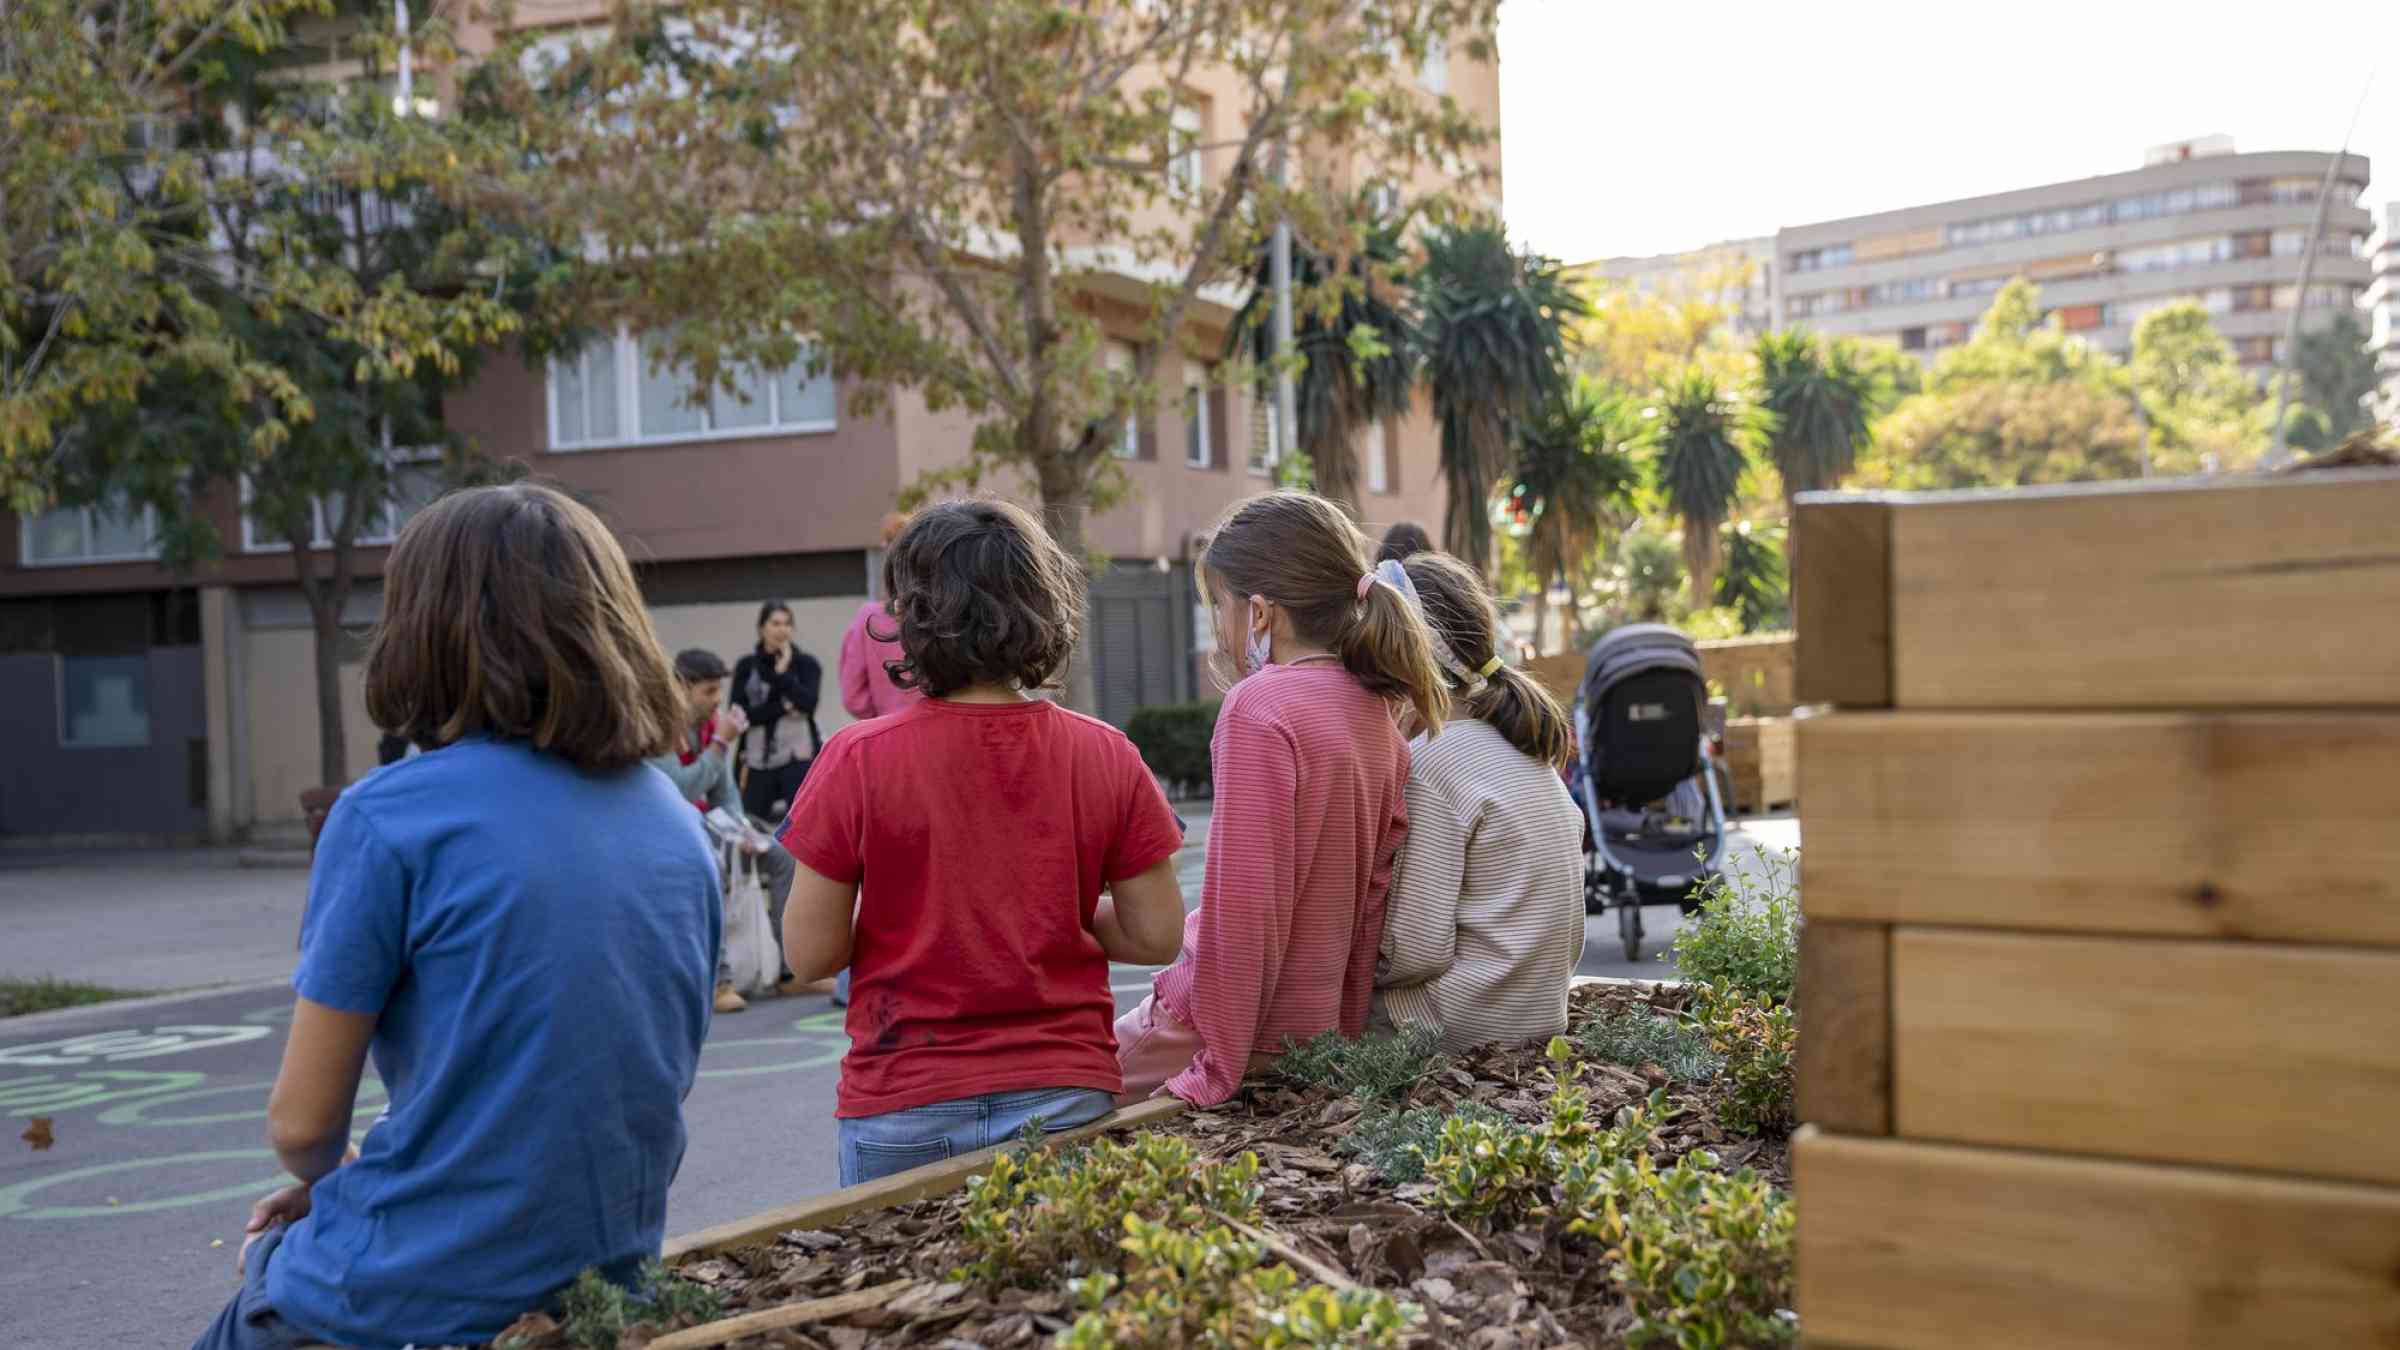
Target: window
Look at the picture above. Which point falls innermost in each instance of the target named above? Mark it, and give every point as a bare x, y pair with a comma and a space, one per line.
1266, 448
1977, 286
1912, 339
1197, 451
103, 701
2181, 253
1903, 292
1379, 458
609, 395
1811, 260
1434, 74
416, 481
107, 532
1187, 163
1120, 360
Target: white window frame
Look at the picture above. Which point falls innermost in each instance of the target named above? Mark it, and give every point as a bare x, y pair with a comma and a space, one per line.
1120, 358
625, 350
1187, 160
1379, 458
1195, 388
1270, 436
86, 558
321, 534
1433, 76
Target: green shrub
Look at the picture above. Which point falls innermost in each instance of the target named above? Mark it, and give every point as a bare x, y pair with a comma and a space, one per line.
1636, 1036
1502, 1173
594, 1312
1704, 1258
1211, 1287
1760, 1044
1373, 1067
1398, 1143
1173, 739
1746, 935
1037, 1213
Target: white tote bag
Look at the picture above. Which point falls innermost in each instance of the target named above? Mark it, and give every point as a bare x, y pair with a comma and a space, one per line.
750, 949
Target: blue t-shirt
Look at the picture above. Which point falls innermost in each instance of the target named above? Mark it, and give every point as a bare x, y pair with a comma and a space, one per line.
539, 947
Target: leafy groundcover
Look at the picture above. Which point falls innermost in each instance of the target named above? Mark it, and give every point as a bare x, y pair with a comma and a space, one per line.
1622, 1185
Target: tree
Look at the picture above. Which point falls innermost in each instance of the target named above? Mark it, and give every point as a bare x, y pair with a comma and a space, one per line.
2006, 434
1491, 323
1356, 354
1703, 440
1755, 582
112, 177
1640, 338
2012, 343
1824, 399
1575, 473
2337, 377
340, 296
939, 194
2203, 412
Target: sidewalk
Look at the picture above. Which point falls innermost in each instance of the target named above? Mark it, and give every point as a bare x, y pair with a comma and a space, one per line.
149, 919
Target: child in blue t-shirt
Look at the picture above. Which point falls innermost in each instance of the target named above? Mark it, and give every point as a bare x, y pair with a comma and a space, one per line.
520, 926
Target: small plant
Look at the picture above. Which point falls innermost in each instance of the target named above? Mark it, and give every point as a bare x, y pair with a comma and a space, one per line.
1760, 1044
595, 1311
1398, 1143
1502, 1172
1746, 935
1377, 1068
1211, 1287
1704, 1258
1036, 1213
1636, 1036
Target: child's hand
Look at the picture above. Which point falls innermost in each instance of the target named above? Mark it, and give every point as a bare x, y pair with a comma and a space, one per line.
289, 1205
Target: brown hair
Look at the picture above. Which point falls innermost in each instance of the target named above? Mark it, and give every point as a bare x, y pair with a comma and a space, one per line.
983, 595
1460, 610
1302, 553
1404, 541
510, 611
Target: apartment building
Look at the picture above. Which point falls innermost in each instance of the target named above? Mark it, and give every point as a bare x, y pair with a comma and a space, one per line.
1738, 274
136, 702
2382, 302
2197, 222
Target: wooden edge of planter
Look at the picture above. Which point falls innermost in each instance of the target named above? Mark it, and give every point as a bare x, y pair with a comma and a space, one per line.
1842, 601
1845, 1008
824, 1211
917, 1183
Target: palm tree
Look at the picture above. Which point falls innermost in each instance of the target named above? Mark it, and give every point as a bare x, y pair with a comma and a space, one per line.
1824, 400
1491, 327
1358, 364
1704, 439
1574, 473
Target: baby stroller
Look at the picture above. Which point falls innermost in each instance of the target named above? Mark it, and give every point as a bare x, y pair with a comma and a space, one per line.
1654, 817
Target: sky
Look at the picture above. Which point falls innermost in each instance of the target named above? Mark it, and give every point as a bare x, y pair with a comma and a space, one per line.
1635, 127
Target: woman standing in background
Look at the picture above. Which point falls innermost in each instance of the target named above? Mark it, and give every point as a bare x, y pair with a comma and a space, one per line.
775, 686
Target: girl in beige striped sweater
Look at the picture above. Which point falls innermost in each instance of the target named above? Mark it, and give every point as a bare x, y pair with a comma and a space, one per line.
1485, 923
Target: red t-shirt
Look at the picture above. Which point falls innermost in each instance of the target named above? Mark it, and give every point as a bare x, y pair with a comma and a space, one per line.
980, 836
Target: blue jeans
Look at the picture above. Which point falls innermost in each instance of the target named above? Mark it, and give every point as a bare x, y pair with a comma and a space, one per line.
841, 988
249, 1322
878, 1146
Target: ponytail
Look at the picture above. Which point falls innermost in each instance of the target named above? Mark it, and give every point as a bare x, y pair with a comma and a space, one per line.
1301, 552
1387, 650
1460, 614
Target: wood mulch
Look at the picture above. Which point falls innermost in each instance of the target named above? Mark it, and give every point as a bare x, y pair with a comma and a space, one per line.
1489, 1291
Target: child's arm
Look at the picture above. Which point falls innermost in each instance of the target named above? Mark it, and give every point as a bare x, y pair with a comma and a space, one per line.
1140, 921
817, 923
308, 1113
1420, 921
1244, 924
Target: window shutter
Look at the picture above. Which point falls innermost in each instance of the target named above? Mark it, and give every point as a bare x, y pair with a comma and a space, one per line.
1146, 447
1220, 431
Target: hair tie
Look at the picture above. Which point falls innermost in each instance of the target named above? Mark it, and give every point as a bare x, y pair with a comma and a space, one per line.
1492, 667
1366, 583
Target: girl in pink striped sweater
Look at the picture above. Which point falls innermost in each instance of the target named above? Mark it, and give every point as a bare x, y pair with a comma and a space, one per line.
1310, 774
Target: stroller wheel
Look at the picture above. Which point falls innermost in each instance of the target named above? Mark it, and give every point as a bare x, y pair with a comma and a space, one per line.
1629, 926
1595, 891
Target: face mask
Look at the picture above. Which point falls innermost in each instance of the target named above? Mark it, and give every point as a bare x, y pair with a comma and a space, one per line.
1259, 647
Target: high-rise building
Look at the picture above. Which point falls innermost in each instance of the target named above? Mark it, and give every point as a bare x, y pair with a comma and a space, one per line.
2196, 222
1738, 274
146, 702
2383, 308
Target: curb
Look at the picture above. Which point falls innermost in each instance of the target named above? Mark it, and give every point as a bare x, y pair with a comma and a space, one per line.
10, 1026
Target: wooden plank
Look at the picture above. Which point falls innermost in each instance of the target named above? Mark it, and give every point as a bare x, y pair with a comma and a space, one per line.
727, 1330
2250, 592
1844, 996
917, 1183
2274, 1058
1842, 599
1926, 1245
2270, 826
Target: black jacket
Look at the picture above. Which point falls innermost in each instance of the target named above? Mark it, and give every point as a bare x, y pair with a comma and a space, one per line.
761, 693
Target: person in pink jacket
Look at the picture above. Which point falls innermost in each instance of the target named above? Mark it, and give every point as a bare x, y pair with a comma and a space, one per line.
867, 688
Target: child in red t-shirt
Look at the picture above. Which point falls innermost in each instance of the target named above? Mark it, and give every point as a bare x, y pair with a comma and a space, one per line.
954, 853
1311, 773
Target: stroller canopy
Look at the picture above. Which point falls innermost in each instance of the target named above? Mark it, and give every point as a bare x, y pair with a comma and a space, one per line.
1632, 649
1643, 693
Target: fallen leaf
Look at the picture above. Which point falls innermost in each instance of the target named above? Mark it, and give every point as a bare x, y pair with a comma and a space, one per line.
37, 1133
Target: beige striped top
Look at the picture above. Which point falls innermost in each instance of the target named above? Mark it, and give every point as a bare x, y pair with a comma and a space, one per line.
1485, 924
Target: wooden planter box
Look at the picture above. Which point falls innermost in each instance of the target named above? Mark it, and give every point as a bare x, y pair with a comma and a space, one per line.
2100, 978
1762, 764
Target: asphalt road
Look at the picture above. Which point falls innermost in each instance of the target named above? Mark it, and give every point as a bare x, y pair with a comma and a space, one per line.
123, 1231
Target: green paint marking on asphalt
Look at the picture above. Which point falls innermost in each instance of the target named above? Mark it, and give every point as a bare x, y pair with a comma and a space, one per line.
824, 1023
13, 1199
49, 1094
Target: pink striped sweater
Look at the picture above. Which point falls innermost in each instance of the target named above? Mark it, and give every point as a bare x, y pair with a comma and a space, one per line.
1311, 777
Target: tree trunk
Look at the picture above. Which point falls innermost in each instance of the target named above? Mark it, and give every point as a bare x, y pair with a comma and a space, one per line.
1066, 508
1337, 474
333, 768
1700, 563
1541, 617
